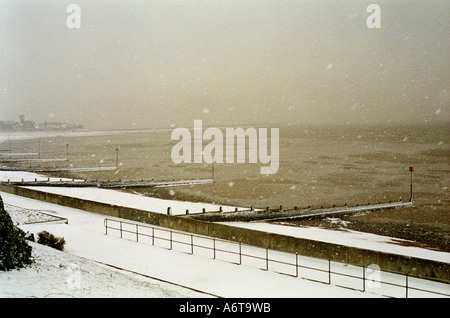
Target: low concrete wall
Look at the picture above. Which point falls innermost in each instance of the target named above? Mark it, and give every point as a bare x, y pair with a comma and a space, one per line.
237, 234
351, 255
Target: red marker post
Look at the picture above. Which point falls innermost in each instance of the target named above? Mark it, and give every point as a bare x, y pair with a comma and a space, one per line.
213, 167
411, 169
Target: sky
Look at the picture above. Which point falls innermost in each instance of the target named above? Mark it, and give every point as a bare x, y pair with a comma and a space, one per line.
155, 64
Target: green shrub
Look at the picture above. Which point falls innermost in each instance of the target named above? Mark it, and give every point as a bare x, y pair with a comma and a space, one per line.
14, 250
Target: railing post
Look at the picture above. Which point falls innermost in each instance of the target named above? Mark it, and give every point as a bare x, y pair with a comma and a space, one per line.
406, 286
240, 254
170, 240
267, 259
137, 233
120, 229
329, 272
153, 236
192, 244
214, 248
296, 264
364, 278
106, 226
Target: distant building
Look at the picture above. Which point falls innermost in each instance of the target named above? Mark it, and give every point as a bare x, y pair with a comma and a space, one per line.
27, 125
7, 125
20, 125
58, 126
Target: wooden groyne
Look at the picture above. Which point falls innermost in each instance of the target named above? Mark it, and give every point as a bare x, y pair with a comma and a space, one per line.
54, 169
281, 214
125, 184
20, 160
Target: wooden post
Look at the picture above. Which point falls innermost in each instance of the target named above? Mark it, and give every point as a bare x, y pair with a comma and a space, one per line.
411, 169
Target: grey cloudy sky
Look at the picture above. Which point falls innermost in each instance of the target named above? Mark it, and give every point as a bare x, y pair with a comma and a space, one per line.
141, 64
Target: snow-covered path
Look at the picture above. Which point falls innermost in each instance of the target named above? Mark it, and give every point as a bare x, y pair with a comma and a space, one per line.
115, 196
136, 201
349, 238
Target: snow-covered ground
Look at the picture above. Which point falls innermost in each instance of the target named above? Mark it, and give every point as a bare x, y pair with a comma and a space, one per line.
134, 200
56, 274
155, 271
80, 274
26, 176
80, 270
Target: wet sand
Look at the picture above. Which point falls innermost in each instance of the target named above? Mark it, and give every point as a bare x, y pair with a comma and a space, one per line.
318, 167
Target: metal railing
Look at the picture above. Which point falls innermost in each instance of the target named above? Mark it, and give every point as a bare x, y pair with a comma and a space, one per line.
321, 274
